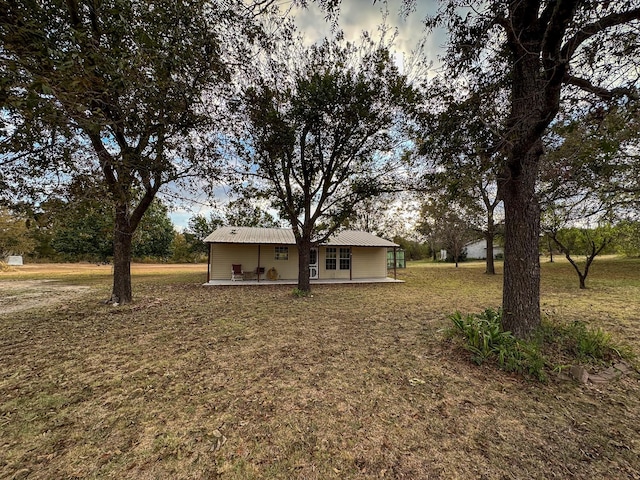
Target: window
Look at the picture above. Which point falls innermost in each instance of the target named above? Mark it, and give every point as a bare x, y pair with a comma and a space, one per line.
330, 259
282, 253
345, 258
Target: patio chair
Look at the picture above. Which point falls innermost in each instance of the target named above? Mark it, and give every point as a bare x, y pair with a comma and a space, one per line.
236, 272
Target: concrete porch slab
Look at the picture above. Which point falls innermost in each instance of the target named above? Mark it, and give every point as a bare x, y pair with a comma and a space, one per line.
328, 281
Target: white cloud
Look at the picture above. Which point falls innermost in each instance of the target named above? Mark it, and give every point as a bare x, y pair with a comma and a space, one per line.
357, 16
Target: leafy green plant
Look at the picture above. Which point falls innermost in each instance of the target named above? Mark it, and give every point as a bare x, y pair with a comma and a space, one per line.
301, 293
483, 333
553, 345
594, 343
585, 344
485, 339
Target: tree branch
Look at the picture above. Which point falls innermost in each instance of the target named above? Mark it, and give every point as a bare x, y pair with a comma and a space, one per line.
601, 92
555, 19
596, 27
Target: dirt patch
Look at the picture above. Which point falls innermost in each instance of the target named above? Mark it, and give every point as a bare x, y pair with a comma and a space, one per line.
16, 296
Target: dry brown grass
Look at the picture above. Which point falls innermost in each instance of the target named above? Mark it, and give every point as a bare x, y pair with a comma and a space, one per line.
354, 382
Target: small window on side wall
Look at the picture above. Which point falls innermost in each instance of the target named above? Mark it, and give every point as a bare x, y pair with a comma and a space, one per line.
330, 258
282, 253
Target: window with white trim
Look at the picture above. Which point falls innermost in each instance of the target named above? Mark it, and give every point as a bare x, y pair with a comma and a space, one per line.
330, 258
282, 253
345, 258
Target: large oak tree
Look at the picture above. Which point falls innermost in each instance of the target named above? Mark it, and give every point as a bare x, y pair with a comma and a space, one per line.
123, 90
323, 125
549, 51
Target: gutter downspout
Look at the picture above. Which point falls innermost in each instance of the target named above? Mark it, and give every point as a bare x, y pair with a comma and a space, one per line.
258, 269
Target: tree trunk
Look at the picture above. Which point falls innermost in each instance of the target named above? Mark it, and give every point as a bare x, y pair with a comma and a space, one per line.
122, 238
583, 275
304, 256
534, 103
491, 269
521, 285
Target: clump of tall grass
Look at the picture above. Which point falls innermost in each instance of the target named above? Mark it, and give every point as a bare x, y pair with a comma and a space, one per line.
581, 343
552, 346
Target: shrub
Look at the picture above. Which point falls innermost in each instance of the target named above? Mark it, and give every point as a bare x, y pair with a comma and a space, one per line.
576, 341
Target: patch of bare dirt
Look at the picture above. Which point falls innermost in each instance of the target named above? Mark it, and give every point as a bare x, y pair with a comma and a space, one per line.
16, 296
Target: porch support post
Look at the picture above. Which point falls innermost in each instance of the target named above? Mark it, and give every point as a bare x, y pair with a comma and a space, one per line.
209, 262
395, 264
350, 263
258, 269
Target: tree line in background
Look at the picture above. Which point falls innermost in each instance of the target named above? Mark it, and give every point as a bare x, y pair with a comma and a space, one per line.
81, 229
59, 231
529, 128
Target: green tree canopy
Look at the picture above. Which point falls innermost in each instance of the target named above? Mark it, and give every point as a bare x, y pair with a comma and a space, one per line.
322, 122
126, 91
244, 213
198, 229
155, 233
82, 229
541, 53
459, 159
594, 161
629, 240
14, 237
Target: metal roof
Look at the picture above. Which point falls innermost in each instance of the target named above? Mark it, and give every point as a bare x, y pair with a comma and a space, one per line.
358, 239
284, 236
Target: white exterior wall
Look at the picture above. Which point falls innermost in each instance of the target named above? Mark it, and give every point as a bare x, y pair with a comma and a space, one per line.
478, 250
224, 255
367, 262
322, 265
14, 260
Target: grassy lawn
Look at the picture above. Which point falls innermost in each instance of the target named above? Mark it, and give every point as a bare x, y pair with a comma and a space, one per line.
252, 382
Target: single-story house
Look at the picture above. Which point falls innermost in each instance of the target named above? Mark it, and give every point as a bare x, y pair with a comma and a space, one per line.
478, 250
272, 254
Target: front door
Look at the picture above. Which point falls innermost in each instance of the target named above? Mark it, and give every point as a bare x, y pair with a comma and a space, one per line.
313, 264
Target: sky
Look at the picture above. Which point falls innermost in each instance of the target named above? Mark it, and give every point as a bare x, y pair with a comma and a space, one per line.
355, 17
360, 15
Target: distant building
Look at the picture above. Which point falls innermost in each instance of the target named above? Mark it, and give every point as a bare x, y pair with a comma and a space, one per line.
477, 250
14, 260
